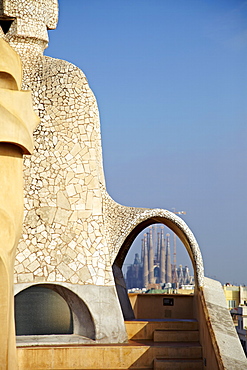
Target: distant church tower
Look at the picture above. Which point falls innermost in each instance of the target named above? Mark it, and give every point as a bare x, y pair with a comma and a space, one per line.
168, 260
162, 258
145, 262
150, 257
154, 266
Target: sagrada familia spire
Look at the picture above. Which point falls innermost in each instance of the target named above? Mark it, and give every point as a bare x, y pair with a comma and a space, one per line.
155, 267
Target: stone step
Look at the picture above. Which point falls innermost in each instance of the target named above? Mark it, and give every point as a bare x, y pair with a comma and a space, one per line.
178, 350
144, 329
169, 351
178, 364
176, 335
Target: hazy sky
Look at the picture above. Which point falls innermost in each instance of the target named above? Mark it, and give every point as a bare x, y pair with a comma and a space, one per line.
170, 77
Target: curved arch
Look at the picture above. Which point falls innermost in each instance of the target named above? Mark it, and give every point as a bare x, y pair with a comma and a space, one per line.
176, 224
83, 323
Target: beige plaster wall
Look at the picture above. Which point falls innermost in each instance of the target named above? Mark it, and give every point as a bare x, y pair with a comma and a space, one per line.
17, 121
150, 306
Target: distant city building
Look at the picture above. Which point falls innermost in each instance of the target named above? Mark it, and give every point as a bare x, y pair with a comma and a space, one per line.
241, 313
236, 299
235, 295
153, 268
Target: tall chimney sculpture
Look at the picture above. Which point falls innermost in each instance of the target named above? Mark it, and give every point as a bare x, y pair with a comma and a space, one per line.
75, 236
17, 122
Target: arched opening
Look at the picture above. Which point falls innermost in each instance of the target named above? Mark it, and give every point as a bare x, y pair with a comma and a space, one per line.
49, 309
158, 262
180, 229
42, 311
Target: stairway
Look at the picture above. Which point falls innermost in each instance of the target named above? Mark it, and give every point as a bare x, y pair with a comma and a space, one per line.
153, 344
174, 344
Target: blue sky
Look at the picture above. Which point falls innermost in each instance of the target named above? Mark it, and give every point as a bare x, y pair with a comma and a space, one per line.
170, 78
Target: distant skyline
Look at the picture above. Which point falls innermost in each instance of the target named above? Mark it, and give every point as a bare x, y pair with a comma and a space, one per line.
182, 257
170, 78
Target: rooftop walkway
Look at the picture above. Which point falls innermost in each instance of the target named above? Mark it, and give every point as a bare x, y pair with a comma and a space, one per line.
153, 344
